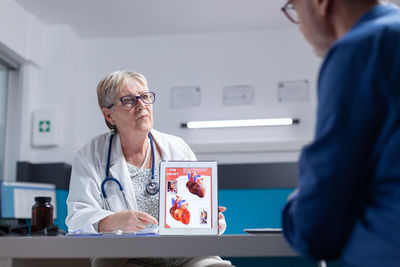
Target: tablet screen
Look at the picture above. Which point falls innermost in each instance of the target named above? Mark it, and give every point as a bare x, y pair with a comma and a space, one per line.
188, 197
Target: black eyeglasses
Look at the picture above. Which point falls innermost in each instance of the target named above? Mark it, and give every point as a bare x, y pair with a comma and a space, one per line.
289, 10
130, 101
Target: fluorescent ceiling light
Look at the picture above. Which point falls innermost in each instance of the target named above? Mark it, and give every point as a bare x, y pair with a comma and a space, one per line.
240, 123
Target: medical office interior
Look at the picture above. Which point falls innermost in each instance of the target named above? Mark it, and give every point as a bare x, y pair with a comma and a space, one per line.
205, 60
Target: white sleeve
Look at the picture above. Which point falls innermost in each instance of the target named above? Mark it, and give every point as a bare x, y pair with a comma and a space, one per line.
84, 201
190, 154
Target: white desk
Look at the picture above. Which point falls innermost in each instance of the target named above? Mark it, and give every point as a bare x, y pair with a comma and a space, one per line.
64, 247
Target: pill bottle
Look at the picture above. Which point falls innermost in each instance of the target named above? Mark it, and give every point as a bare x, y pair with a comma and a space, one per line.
42, 214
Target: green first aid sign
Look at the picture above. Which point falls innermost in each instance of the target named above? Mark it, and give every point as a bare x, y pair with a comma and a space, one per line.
44, 126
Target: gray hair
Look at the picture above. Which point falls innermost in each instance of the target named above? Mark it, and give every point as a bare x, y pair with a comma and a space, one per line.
109, 87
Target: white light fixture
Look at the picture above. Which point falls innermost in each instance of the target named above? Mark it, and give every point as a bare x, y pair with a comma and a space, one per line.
240, 123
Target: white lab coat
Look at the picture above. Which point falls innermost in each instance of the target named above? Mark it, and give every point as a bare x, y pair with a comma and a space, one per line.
85, 202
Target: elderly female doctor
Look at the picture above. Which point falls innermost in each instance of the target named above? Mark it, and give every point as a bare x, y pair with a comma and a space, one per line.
130, 153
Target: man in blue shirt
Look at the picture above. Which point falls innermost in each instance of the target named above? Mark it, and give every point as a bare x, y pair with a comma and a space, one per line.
348, 202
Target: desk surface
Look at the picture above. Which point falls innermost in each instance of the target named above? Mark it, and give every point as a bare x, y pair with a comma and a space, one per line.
267, 245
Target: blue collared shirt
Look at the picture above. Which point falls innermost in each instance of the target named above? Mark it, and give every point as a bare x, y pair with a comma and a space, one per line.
348, 205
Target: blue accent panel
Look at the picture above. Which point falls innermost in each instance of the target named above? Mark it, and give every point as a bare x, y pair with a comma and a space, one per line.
259, 208
7, 201
252, 208
61, 196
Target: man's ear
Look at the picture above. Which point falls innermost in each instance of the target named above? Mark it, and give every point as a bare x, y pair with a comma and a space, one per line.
107, 115
322, 7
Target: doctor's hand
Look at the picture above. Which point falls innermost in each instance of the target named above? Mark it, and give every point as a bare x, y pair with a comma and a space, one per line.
221, 220
127, 221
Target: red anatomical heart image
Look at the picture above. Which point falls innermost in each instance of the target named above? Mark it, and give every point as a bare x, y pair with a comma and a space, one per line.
179, 210
195, 185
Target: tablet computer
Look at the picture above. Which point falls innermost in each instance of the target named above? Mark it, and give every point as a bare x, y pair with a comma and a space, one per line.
188, 198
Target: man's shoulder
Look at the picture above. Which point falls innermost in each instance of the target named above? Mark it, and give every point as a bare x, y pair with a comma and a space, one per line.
368, 41
383, 26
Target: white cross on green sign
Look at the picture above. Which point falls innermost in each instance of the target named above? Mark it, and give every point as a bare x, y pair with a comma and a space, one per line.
44, 126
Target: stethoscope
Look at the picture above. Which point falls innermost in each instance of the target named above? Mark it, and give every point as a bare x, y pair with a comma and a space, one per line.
152, 187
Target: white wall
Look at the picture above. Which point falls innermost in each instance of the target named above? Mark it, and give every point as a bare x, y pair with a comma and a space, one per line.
211, 61
46, 55
55, 91
21, 34
22, 38
59, 71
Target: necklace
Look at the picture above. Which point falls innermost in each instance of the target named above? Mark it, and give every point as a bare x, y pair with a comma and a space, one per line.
144, 161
